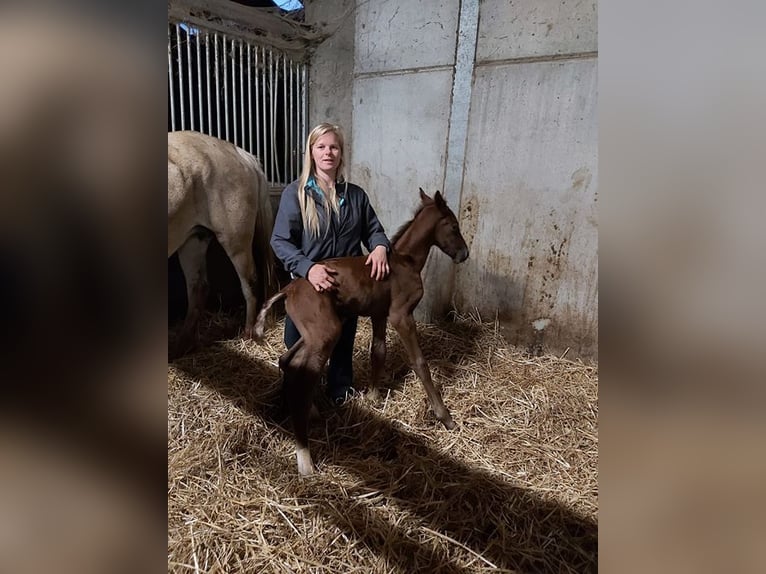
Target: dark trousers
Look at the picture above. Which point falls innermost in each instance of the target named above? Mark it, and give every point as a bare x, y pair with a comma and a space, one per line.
340, 375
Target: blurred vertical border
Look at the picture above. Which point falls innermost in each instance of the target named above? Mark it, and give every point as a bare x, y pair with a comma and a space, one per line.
683, 275
82, 286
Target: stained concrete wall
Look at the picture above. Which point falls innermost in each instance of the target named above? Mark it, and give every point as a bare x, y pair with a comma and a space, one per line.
527, 201
331, 72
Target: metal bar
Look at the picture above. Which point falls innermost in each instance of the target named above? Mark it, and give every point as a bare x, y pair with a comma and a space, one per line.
233, 61
179, 63
299, 109
304, 107
294, 116
250, 96
199, 81
233, 64
189, 78
207, 84
234, 103
258, 102
225, 63
273, 118
286, 161
264, 125
269, 149
217, 90
291, 138
232, 85
170, 85
299, 118
242, 92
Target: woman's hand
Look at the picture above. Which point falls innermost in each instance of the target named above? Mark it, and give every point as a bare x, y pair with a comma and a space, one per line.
378, 258
321, 277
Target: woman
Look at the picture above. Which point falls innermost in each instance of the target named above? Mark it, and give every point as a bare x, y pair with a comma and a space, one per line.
321, 215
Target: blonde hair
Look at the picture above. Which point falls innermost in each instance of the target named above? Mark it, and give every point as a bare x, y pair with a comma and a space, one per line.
309, 212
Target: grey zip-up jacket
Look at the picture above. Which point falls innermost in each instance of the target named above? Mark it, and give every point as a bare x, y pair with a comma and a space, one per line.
357, 224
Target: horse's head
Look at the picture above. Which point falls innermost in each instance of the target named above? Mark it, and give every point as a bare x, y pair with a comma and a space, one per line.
447, 236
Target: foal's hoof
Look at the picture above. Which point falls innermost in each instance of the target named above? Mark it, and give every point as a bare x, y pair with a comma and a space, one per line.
308, 471
446, 420
305, 465
442, 415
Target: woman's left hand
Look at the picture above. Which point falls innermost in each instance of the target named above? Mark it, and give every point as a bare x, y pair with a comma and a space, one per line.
378, 258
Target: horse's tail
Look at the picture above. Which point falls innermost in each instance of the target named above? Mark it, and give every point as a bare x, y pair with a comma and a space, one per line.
264, 224
261, 320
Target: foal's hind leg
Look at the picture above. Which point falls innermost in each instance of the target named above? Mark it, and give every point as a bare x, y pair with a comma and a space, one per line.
405, 327
377, 355
298, 385
240, 253
193, 258
320, 329
301, 378
284, 364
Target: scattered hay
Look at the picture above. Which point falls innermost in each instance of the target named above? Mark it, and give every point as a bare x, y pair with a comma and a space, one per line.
513, 488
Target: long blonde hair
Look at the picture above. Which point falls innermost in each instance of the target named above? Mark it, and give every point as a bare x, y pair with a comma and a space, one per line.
309, 212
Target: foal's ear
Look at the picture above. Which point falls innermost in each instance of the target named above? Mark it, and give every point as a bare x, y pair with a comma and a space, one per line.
439, 199
423, 196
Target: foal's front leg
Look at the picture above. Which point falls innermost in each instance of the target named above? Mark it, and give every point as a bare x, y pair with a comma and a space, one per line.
405, 327
377, 355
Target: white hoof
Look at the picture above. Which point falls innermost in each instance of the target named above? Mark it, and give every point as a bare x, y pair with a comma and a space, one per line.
305, 466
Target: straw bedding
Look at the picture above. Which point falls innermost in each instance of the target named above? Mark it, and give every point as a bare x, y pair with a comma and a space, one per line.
512, 489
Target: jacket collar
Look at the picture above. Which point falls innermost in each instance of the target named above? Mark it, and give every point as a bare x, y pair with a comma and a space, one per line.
313, 185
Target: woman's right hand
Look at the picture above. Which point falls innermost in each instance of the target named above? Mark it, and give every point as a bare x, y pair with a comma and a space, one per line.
321, 277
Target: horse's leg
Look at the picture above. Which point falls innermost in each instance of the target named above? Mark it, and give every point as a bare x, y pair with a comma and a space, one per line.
305, 361
405, 327
377, 355
284, 361
193, 258
299, 383
241, 256
287, 356
301, 379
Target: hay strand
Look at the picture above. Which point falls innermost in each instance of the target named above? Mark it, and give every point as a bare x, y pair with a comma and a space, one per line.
513, 488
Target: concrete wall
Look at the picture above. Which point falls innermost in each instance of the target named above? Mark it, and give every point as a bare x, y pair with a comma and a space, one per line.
531, 172
527, 188
331, 74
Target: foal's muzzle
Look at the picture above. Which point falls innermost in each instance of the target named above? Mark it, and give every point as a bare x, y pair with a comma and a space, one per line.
461, 255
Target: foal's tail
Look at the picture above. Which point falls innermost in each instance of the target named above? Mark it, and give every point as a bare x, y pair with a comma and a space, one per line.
261, 320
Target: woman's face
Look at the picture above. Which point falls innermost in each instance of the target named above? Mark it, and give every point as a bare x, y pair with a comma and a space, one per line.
326, 153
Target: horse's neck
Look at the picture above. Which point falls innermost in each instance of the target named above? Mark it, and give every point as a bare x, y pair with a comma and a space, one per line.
416, 242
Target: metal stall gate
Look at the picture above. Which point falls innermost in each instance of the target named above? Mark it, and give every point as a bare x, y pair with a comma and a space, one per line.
239, 91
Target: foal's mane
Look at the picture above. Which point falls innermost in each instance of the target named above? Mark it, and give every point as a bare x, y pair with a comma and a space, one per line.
398, 235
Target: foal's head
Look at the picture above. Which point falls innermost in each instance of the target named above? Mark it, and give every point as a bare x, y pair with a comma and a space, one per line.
447, 234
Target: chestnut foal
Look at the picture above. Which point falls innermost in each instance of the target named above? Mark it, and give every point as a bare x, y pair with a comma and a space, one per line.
318, 316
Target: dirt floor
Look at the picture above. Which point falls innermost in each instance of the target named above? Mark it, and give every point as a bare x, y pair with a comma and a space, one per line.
514, 488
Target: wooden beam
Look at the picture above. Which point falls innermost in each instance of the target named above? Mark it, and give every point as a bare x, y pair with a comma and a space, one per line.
264, 25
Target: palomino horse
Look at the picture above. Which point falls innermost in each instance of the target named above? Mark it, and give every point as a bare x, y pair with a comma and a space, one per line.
217, 189
318, 316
